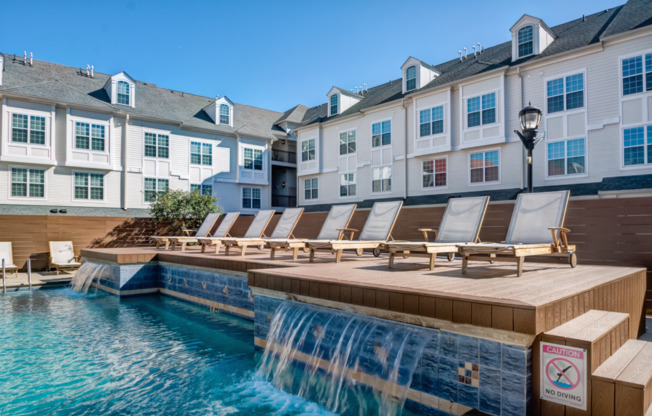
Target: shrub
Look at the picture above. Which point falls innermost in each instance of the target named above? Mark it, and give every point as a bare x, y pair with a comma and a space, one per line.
182, 210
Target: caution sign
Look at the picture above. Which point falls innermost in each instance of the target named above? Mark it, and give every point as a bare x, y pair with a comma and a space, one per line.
563, 375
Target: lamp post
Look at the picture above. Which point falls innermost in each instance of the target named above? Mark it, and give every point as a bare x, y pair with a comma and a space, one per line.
530, 118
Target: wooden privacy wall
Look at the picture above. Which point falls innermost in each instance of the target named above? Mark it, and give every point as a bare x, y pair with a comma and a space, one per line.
606, 231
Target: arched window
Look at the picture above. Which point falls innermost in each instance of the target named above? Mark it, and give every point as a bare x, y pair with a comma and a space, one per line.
525, 42
411, 78
333, 104
123, 92
225, 116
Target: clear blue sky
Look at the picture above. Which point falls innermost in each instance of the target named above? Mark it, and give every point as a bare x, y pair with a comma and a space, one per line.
269, 54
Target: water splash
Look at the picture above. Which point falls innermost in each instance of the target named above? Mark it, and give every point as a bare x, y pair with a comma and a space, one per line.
87, 273
347, 363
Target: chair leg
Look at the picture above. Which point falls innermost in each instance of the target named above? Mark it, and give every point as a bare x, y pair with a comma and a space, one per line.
295, 253
203, 246
167, 244
391, 259
519, 271
312, 255
272, 253
465, 263
183, 246
243, 250
226, 249
432, 261
218, 245
338, 255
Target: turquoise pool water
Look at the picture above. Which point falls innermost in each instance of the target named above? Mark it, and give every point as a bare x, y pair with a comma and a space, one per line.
63, 353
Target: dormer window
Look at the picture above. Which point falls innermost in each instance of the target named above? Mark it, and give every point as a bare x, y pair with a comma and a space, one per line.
225, 114
525, 42
123, 92
334, 104
411, 78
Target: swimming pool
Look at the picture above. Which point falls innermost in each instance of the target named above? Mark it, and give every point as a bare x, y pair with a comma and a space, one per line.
63, 353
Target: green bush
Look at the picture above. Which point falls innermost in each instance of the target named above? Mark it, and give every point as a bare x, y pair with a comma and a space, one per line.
182, 210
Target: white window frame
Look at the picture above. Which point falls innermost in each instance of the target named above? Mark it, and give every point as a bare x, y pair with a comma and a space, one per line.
145, 202
311, 179
29, 114
643, 93
201, 153
253, 149
27, 197
371, 129
228, 115
314, 139
391, 177
337, 105
563, 76
251, 188
118, 94
348, 185
566, 175
339, 136
416, 78
201, 188
418, 127
157, 134
465, 105
90, 123
500, 167
646, 137
434, 160
532, 40
89, 199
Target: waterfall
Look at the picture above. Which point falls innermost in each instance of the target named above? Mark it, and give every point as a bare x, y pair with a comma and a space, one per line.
88, 272
348, 363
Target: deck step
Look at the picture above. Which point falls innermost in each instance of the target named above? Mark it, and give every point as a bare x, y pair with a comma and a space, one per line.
601, 333
622, 385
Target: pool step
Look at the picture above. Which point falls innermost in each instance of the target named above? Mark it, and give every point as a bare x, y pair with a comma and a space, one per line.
601, 333
622, 385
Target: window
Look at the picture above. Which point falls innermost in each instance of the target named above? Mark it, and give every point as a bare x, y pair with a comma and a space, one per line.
89, 136
308, 150
29, 183
28, 129
203, 189
123, 92
201, 153
633, 74
381, 133
484, 166
411, 78
381, 179
431, 121
333, 104
155, 186
253, 159
225, 114
311, 188
481, 110
573, 97
434, 173
251, 198
157, 145
347, 142
525, 42
89, 186
638, 150
347, 184
566, 157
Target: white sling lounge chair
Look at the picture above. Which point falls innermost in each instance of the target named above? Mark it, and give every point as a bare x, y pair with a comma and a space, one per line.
460, 225
253, 235
7, 254
376, 231
62, 256
333, 228
536, 229
222, 231
203, 231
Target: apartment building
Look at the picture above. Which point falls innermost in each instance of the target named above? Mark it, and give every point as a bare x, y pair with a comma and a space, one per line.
448, 129
76, 141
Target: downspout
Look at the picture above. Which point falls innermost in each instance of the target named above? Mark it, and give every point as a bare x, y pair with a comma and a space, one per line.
405, 158
124, 163
523, 151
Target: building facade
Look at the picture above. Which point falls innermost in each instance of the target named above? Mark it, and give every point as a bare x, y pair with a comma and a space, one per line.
447, 130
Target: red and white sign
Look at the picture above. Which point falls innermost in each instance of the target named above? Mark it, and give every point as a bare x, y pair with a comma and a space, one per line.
563, 375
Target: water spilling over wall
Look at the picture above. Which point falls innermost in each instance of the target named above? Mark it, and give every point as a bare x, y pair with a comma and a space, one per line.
341, 360
89, 272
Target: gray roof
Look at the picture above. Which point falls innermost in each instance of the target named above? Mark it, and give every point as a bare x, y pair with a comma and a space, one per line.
571, 35
70, 86
293, 115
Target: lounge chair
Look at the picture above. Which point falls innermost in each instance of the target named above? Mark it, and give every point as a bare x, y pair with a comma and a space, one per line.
253, 235
536, 229
203, 231
222, 231
62, 256
7, 254
376, 231
332, 229
461, 224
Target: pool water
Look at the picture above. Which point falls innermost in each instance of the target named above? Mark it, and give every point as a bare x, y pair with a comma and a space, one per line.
63, 353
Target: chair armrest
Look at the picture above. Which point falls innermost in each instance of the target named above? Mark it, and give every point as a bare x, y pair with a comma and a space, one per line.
343, 231
564, 229
188, 232
559, 238
425, 232
77, 258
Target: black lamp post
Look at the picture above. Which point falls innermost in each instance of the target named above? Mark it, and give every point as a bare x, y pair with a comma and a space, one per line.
530, 118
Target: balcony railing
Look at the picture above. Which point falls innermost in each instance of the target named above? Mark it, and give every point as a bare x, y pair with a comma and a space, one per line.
284, 200
284, 156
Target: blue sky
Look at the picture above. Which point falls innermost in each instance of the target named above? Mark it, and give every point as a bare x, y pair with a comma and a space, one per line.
269, 54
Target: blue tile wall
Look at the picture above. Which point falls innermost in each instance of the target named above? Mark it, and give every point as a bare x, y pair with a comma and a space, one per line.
493, 377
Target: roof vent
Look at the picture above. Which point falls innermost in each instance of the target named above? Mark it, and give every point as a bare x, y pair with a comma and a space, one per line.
31, 59
92, 71
460, 52
365, 87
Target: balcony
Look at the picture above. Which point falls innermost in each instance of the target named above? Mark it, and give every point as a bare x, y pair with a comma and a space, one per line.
284, 156
287, 197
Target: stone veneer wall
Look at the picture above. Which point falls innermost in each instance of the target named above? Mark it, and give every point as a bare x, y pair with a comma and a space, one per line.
456, 372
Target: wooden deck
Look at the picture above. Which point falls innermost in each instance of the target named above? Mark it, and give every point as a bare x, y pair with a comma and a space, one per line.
546, 296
